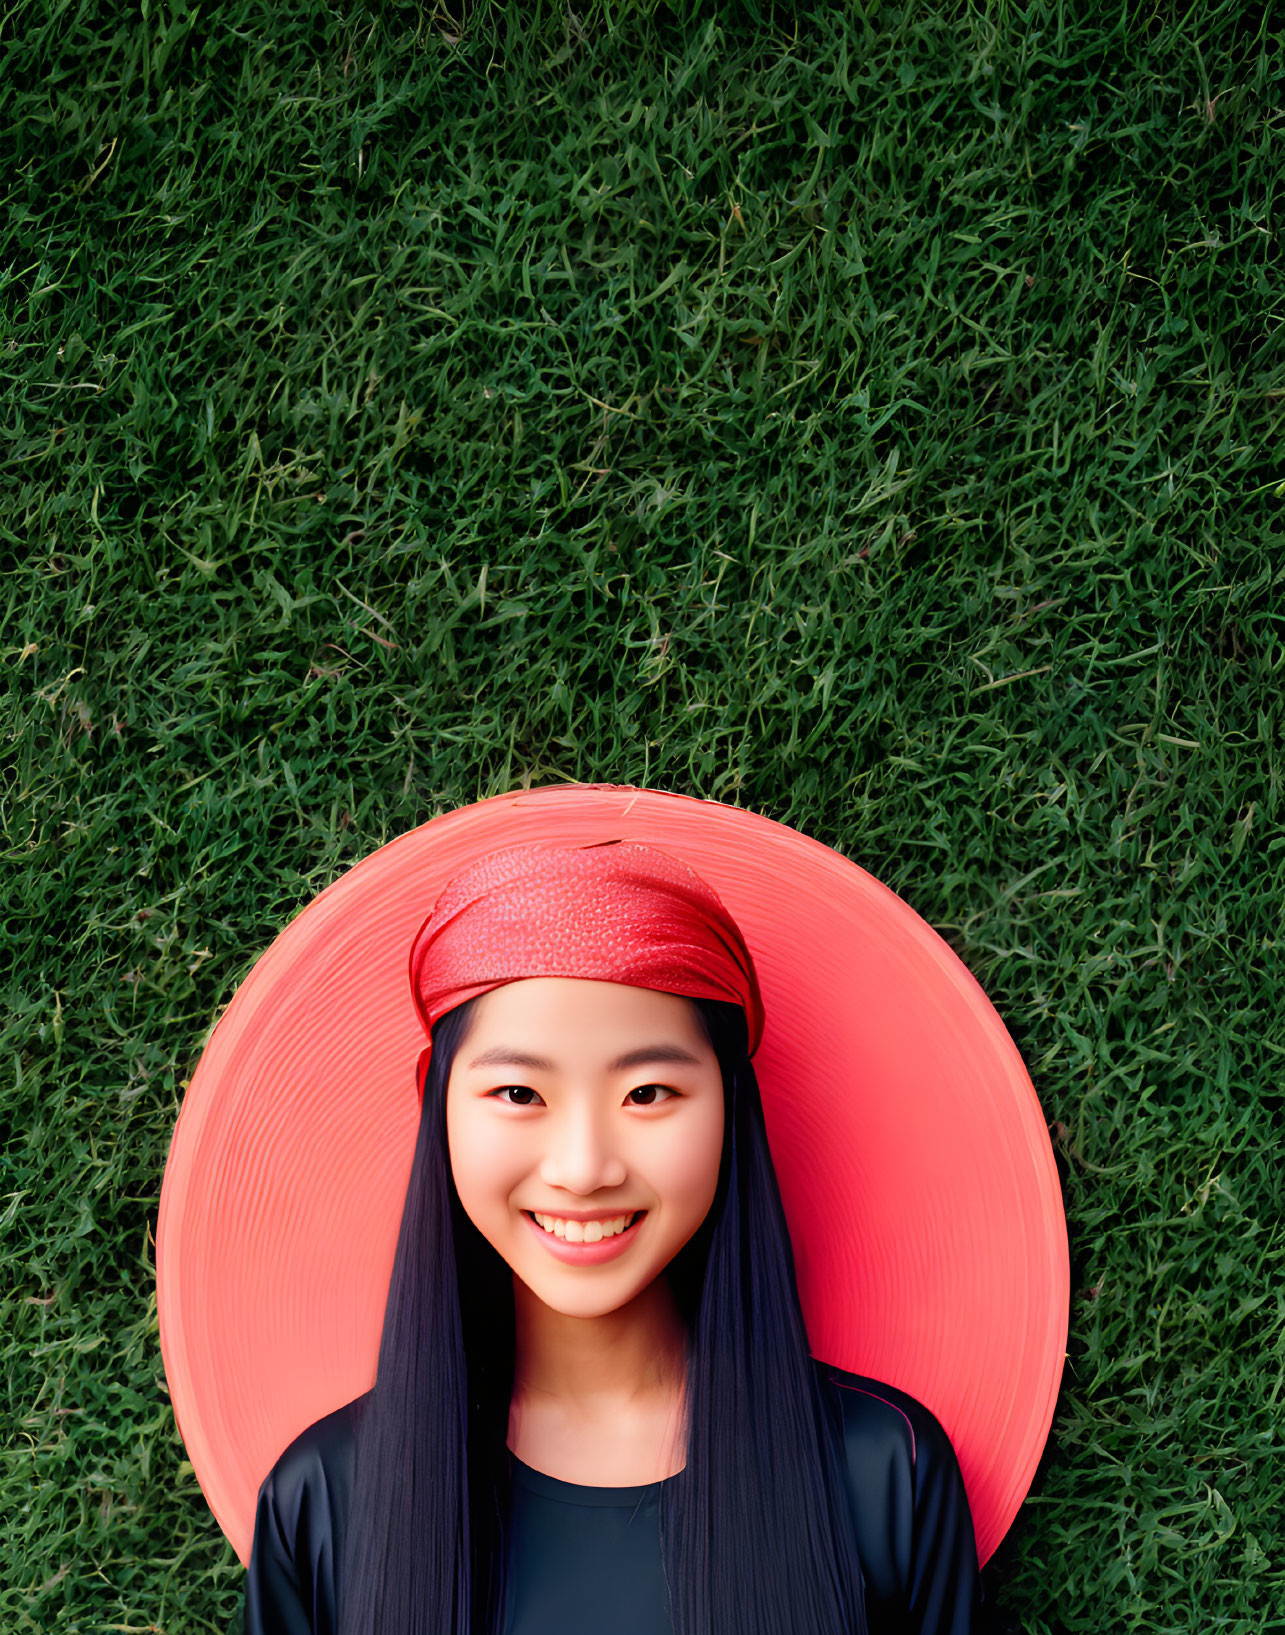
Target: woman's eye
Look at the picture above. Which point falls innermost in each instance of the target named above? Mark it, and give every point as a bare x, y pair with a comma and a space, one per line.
516, 1095
647, 1095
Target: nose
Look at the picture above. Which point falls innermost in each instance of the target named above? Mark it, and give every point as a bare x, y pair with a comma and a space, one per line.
580, 1156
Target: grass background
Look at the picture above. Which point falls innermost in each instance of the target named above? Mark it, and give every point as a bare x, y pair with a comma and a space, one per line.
870, 415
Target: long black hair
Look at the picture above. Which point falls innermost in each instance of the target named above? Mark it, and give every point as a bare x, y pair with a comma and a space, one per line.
754, 1533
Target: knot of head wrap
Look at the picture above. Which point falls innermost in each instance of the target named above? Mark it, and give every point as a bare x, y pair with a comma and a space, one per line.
614, 912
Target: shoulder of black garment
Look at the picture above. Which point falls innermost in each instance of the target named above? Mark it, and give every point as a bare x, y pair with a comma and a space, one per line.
907, 1510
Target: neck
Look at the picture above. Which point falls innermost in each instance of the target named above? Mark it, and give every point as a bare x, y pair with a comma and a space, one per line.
637, 1351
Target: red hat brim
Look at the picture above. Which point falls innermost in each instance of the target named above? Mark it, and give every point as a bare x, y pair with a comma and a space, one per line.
914, 1163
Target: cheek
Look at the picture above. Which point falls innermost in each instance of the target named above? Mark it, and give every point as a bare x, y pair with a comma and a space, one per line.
483, 1164
691, 1176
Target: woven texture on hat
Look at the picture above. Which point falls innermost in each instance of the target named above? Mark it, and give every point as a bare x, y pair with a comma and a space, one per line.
618, 912
913, 1157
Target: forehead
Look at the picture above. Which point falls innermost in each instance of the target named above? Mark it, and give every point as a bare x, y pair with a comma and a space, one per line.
563, 1008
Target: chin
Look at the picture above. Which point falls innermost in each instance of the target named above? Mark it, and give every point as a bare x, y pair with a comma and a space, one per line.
571, 1301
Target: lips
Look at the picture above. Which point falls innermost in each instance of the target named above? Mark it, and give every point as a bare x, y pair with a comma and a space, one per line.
579, 1242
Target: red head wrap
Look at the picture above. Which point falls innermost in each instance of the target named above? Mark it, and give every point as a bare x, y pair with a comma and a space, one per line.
614, 912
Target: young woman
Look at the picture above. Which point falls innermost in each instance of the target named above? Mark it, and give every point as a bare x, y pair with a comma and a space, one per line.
595, 1411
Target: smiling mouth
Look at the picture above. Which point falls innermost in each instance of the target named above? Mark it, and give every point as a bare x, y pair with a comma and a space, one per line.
585, 1231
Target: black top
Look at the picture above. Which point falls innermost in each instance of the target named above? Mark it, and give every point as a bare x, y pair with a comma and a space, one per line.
588, 1558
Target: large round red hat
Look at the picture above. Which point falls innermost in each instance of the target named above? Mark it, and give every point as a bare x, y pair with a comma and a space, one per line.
915, 1168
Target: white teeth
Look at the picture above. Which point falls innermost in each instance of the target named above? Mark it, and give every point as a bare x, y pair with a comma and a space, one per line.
583, 1231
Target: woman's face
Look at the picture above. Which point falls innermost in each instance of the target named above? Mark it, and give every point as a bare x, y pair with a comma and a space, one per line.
585, 1126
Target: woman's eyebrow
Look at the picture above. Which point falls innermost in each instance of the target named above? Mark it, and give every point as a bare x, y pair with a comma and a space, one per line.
652, 1053
504, 1056
507, 1056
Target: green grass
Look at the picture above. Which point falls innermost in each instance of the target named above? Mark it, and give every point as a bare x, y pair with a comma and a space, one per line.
871, 418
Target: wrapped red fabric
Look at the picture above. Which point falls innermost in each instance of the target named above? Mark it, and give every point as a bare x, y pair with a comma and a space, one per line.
614, 912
